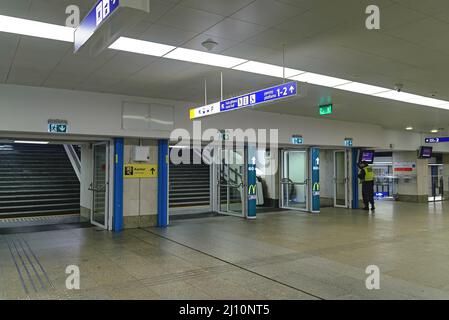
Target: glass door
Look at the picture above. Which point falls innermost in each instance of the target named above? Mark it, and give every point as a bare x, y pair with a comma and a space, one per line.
231, 186
341, 179
436, 182
294, 180
100, 185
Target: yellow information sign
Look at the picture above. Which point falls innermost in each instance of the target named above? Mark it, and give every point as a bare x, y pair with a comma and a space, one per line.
138, 170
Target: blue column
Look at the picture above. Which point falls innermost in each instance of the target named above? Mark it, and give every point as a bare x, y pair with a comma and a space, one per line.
162, 185
355, 179
118, 185
315, 180
251, 182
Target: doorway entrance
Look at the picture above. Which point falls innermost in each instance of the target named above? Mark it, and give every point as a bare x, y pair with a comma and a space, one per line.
294, 179
341, 179
231, 181
55, 184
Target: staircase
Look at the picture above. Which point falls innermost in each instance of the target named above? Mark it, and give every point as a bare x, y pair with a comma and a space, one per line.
189, 185
37, 180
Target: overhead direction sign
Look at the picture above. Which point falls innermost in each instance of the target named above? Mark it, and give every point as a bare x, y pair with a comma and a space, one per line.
436, 140
96, 16
247, 100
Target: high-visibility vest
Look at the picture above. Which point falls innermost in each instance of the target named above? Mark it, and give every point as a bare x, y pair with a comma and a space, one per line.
369, 174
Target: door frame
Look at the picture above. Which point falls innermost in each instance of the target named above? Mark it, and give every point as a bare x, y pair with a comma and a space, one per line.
109, 201
346, 178
307, 180
217, 186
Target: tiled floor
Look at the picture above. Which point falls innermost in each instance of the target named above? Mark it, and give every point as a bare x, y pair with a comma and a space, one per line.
282, 255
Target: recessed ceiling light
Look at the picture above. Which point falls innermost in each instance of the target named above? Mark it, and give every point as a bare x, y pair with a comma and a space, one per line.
201, 57
31, 142
142, 47
409, 128
36, 29
434, 131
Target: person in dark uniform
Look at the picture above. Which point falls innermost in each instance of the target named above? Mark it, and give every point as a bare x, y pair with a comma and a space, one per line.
366, 176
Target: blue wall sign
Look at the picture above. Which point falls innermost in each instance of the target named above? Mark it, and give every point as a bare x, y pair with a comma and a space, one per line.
437, 140
248, 100
97, 15
315, 179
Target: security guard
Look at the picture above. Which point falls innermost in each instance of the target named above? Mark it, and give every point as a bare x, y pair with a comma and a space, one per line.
366, 176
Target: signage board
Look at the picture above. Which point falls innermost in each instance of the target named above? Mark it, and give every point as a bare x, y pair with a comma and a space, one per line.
404, 168
297, 139
57, 126
248, 100
349, 142
326, 109
436, 140
102, 10
139, 171
381, 195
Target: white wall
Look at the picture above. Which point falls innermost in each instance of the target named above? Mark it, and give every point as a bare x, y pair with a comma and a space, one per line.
28, 109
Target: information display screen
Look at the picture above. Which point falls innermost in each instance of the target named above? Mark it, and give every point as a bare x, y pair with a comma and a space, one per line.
425, 152
367, 156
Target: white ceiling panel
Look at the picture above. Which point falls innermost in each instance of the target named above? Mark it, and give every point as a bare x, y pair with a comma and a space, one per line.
220, 7
189, 19
167, 35
236, 30
267, 12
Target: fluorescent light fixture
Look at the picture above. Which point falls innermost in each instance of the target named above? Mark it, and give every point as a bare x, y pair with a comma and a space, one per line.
267, 69
31, 142
142, 47
362, 88
411, 98
319, 79
434, 131
409, 128
36, 29
201, 57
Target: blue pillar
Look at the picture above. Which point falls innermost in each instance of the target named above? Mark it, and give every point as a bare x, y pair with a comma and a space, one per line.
251, 182
315, 180
162, 186
118, 185
355, 179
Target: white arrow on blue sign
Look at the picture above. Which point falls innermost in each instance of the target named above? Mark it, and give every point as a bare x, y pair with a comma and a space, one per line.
248, 100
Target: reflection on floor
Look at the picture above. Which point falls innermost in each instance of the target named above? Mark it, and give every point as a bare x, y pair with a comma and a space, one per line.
41, 223
282, 255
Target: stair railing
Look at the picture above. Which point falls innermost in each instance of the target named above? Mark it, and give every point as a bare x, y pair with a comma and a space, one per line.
74, 159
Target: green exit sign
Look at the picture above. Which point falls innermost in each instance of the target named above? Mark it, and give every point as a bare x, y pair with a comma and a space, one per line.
326, 109
57, 127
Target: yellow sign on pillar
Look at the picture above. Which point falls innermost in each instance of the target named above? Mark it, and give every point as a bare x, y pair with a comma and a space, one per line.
138, 170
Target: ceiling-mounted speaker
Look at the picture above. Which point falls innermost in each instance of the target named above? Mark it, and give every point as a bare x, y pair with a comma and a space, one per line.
107, 21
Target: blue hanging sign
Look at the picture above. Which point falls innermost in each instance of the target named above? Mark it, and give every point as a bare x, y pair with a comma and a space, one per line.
436, 140
97, 15
248, 100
